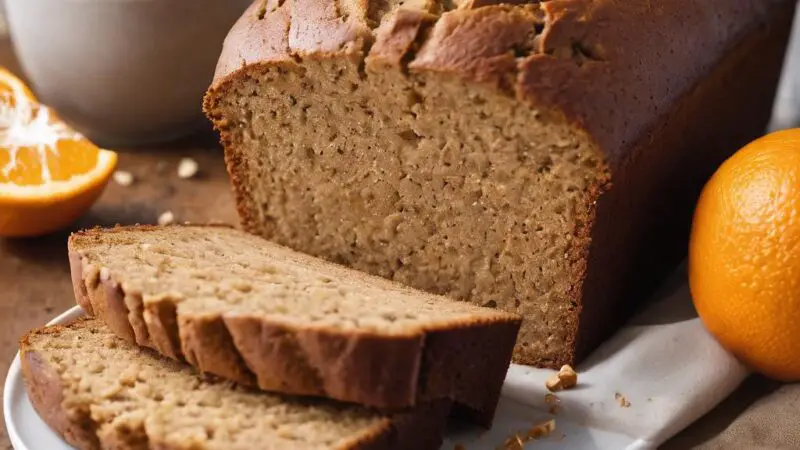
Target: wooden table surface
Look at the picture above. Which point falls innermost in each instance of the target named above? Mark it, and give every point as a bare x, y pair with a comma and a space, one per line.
34, 273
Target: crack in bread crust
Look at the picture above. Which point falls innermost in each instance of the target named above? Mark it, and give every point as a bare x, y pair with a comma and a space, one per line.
577, 32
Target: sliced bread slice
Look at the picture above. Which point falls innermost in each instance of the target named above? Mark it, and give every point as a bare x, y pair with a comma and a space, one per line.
240, 307
98, 391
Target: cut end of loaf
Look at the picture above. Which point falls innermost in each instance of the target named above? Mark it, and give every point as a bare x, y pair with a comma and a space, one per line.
413, 159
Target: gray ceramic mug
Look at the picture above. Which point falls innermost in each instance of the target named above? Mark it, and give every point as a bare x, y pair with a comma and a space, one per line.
124, 72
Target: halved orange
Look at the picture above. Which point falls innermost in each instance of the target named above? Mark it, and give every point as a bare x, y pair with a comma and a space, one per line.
49, 173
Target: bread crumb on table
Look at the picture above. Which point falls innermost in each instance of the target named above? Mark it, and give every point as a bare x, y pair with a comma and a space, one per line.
566, 378
542, 430
166, 218
513, 443
538, 431
123, 178
187, 168
554, 403
622, 401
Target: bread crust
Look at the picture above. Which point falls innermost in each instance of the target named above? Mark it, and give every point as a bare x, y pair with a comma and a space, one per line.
418, 428
581, 44
463, 362
619, 71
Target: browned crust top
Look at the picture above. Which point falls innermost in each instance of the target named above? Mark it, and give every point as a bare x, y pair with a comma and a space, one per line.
613, 67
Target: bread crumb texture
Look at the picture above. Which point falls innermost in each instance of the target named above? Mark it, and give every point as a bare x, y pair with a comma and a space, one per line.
223, 271
362, 159
464, 147
130, 397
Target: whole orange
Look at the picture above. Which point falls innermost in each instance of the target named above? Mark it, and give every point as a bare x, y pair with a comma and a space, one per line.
744, 255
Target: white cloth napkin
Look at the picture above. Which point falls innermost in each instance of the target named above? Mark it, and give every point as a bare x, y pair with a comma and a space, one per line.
786, 112
663, 363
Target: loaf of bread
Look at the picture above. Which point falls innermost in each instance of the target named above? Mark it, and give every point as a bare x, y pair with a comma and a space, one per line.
99, 392
539, 157
243, 308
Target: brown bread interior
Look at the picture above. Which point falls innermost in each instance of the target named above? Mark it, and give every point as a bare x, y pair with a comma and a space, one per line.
99, 391
541, 158
241, 307
427, 180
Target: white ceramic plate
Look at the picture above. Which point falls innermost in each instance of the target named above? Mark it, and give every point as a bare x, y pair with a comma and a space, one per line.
28, 432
